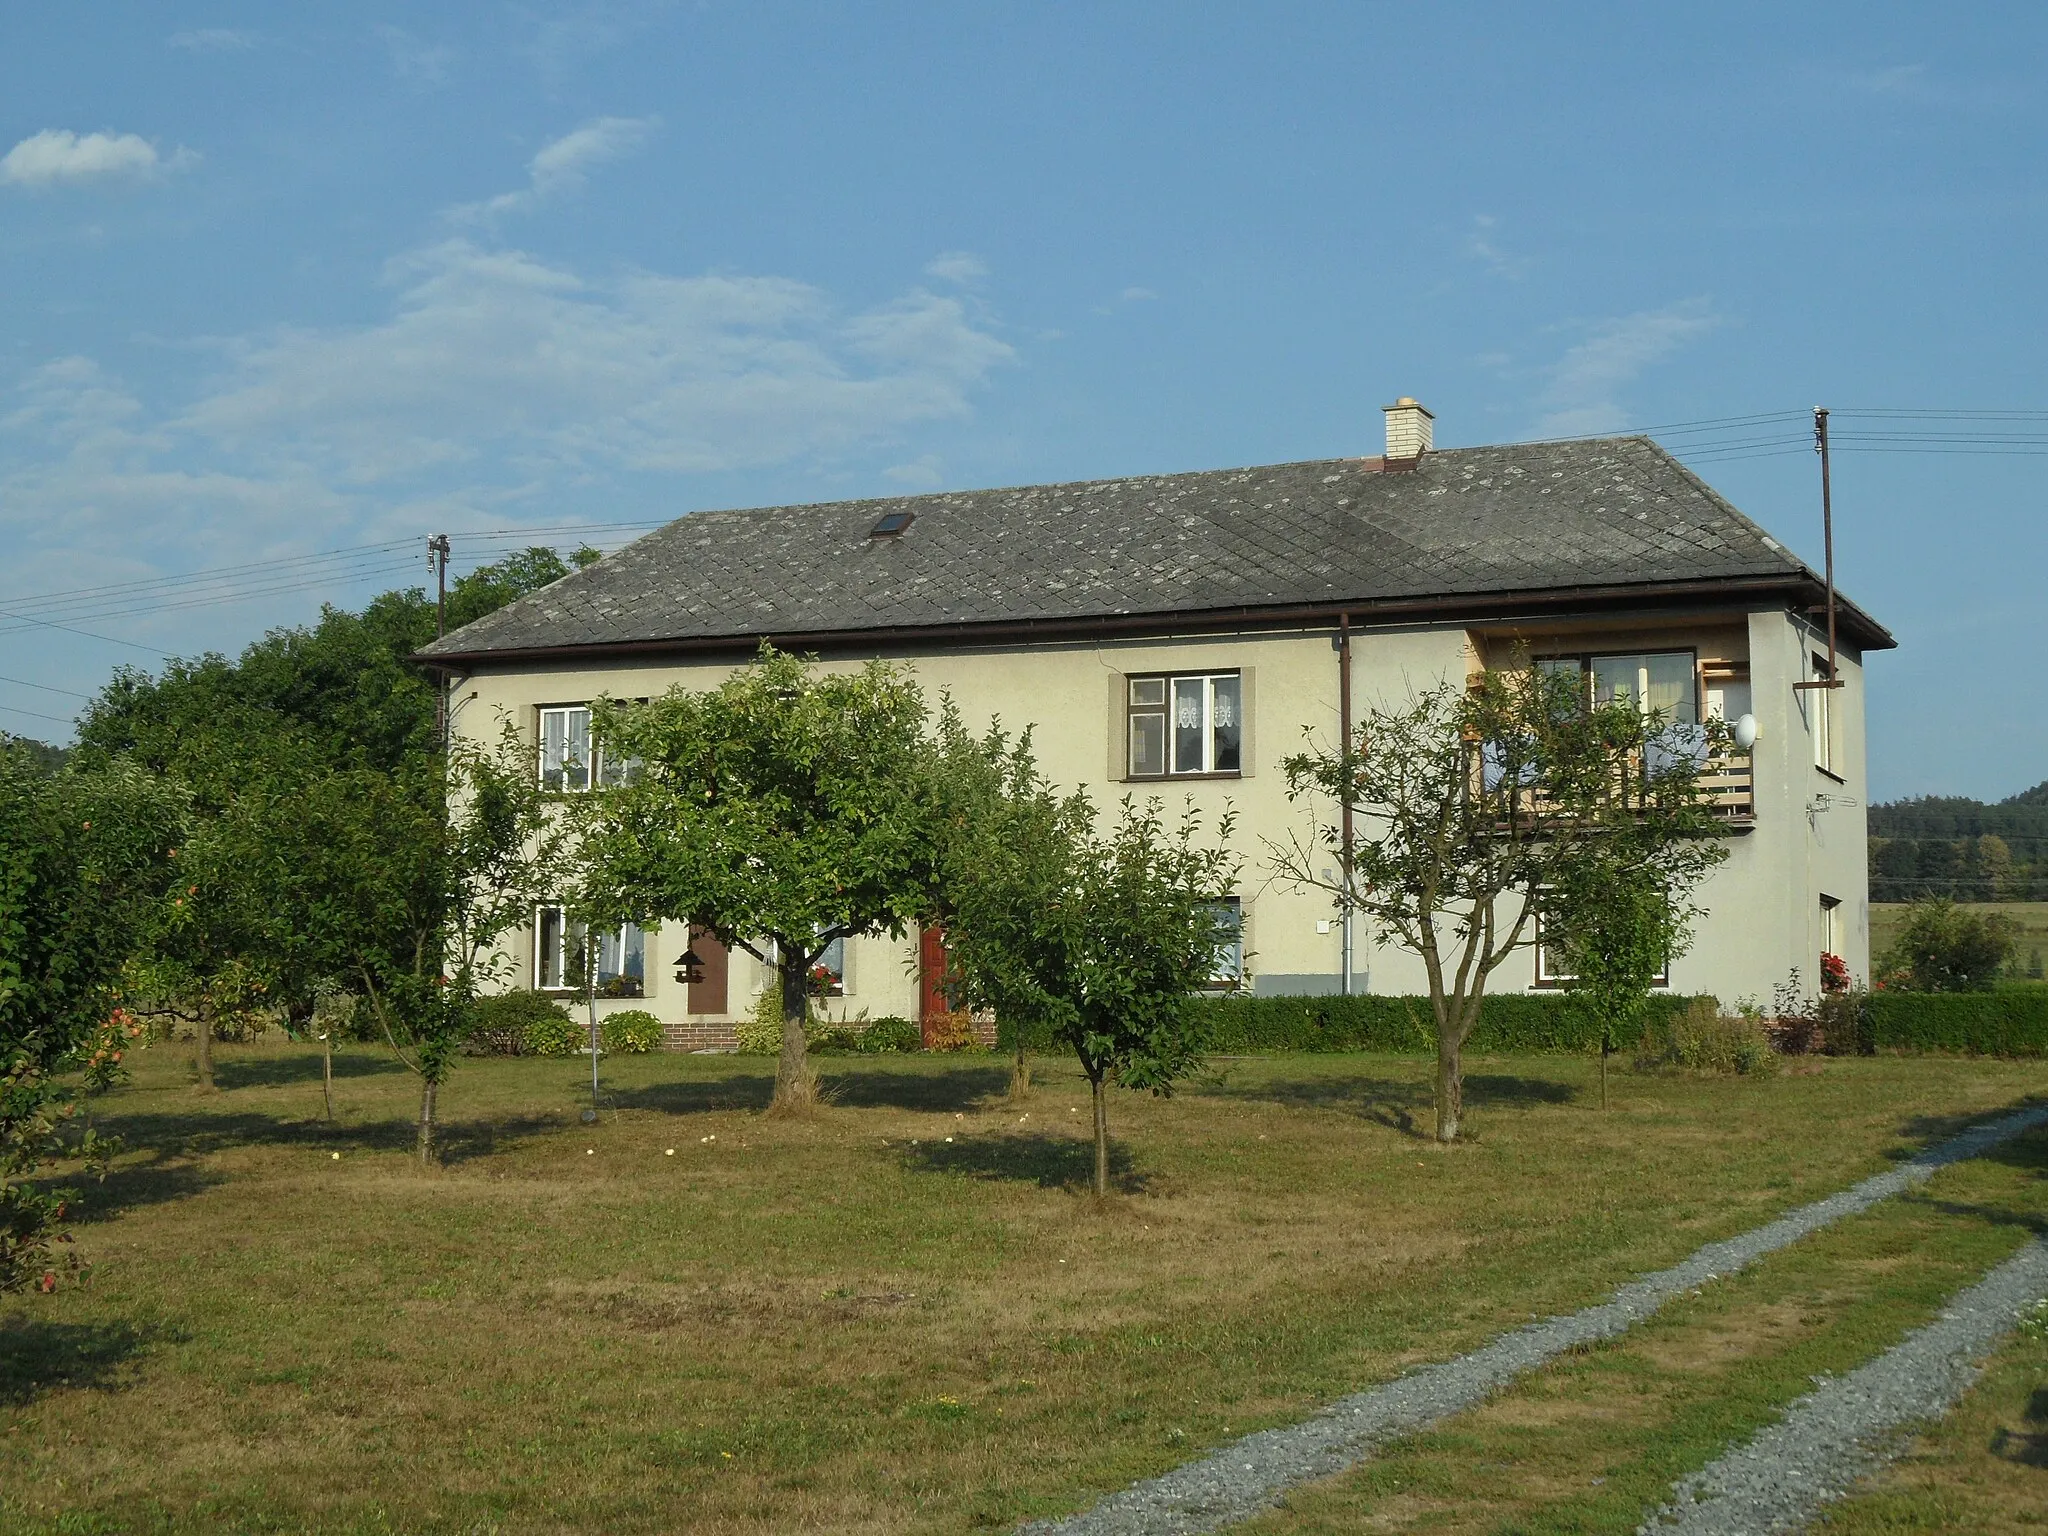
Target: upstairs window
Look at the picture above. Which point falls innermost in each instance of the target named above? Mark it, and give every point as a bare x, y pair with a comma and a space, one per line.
570, 762
1186, 724
565, 748
1821, 716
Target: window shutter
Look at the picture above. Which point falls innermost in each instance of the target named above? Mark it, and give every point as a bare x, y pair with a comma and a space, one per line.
1247, 704
1119, 727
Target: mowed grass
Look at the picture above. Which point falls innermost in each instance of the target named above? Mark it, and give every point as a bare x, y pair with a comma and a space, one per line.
850, 1323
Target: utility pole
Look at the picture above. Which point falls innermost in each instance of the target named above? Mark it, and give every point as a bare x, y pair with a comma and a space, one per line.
1827, 525
437, 562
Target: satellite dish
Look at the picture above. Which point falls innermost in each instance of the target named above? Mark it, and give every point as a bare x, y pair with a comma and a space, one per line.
1746, 732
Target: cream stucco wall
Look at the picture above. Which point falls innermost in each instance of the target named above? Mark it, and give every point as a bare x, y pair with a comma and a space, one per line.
1764, 902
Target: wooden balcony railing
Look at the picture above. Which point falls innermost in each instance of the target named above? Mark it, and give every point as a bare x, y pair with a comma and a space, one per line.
1729, 783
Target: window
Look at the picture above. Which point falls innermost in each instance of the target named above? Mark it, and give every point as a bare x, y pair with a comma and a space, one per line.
828, 972
1663, 683
1229, 967
558, 951
569, 762
622, 962
1830, 925
890, 524
561, 951
1192, 724
1551, 967
1821, 716
565, 748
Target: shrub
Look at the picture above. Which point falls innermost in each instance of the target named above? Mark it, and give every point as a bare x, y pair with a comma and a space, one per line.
630, 1032
1703, 1039
952, 1030
761, 1035
556, 1036
2008, 1022
1947, 948
500, 1024
890, 1033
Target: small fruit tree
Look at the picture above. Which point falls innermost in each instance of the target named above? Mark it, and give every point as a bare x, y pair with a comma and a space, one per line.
1098, 939
1475, 804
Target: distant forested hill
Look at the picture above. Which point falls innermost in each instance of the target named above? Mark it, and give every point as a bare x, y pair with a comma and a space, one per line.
1943, 845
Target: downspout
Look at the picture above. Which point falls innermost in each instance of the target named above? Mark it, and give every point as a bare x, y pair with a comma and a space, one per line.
1344, 726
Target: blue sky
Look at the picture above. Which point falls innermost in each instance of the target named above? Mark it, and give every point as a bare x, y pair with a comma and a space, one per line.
282, 280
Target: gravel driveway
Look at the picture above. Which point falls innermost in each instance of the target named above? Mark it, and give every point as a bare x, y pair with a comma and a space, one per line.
1249, 1475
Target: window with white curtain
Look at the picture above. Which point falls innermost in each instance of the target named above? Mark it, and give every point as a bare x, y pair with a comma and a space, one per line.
1184, 724
565, 748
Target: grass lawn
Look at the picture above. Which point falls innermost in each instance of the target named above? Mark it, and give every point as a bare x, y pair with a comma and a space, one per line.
852, 1323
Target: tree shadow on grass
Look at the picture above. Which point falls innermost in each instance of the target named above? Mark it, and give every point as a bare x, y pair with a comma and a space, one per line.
174, 1143
37, 1356
286, 1071
1920, 1133
1031, 1157
1398, 1104
956, 1089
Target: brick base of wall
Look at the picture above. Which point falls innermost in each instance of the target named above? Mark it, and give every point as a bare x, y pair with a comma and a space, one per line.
711, 1035
708, 1035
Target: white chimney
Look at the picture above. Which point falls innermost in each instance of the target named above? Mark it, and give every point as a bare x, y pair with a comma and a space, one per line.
1410, 430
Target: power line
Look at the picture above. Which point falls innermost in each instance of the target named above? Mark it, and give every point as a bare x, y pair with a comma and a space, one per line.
25, 683
35, 714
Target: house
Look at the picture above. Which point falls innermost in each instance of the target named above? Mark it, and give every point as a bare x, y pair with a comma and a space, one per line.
1180, 634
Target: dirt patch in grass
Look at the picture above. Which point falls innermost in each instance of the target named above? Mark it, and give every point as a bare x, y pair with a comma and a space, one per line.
690, 1317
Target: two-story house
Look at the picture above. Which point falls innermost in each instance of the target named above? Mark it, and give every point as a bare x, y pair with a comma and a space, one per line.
1181, 634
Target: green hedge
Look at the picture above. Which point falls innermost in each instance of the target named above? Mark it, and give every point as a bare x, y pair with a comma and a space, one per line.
2009, 1022
1512, 1022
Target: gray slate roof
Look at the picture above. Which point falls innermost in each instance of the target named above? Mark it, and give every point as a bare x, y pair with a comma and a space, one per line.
1468, 521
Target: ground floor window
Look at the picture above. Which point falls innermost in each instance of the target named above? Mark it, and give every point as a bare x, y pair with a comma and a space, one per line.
1834, 970
1228, 970
562, 951
1552, 969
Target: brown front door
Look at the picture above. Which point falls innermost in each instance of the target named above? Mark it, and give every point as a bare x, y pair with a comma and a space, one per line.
708, 995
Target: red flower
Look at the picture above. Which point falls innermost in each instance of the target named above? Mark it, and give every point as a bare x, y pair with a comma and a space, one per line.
49, 1283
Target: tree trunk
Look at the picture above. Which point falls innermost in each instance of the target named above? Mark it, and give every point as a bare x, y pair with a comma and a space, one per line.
327, 1072
1450, 1085
428, 1090
1020, 1078
1101, 1137
202, 1050
1603, 1071
796, 1087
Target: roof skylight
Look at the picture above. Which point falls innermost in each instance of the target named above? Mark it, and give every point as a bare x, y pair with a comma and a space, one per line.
891, 524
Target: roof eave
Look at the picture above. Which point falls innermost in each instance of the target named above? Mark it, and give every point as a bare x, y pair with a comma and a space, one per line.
1794, 587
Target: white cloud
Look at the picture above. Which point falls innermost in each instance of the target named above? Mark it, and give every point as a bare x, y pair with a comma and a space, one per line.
419, 64
962, 267
1484, 246
495, 381
921, 473
1581, 396
497, 355
562, 164
213, 40
1137, 296
59, 155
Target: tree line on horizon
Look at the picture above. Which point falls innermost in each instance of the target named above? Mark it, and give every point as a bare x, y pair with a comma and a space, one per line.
1950, 847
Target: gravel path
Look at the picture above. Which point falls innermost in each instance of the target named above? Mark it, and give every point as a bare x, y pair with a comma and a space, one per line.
1831, 1438
1249, 1475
